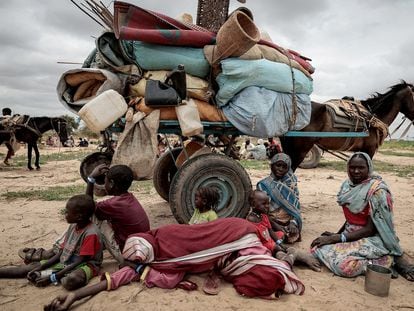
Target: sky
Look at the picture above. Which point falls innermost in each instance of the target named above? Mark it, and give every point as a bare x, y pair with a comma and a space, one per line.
357, 47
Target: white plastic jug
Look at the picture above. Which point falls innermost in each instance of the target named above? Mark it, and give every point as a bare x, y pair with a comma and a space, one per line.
189, 118
103, 110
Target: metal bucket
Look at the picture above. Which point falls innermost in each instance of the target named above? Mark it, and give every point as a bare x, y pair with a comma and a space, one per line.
378, 280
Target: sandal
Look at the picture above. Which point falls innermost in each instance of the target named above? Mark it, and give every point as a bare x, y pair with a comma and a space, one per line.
187, 285
31, 254
211, 284
405, 266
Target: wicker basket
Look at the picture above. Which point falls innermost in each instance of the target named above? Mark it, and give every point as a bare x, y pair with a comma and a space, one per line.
237, 35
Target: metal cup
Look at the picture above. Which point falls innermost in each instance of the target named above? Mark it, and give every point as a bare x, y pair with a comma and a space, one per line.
377, 280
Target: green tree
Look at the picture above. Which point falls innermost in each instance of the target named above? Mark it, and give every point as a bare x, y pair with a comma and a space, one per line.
72, 123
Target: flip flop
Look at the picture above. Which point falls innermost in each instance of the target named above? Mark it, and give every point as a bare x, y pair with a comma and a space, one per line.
26, 254
187, 285
211, 284
31, 254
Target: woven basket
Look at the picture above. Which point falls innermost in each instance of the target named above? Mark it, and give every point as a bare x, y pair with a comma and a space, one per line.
237, 35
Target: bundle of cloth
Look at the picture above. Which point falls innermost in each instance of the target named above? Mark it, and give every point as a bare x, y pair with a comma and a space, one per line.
227, 245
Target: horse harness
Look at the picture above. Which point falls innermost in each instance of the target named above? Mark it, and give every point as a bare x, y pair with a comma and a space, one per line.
352, 115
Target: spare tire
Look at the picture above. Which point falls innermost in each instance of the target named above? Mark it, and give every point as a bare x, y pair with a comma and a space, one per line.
89, 163
164, 172
210, 170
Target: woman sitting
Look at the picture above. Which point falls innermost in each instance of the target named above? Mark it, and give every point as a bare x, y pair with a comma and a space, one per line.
281, 187
368, 235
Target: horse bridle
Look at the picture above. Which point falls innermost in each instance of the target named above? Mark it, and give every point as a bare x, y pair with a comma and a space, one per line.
53, 126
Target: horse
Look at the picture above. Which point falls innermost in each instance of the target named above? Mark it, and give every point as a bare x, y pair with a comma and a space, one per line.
385, 107
30, 130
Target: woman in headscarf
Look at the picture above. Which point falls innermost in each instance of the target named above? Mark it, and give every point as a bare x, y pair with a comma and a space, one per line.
368, 234
281, 187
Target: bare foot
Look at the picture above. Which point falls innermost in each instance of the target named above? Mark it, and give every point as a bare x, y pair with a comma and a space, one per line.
289, 258
405, 266
305, 258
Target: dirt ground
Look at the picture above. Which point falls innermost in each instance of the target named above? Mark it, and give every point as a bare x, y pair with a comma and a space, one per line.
26, 222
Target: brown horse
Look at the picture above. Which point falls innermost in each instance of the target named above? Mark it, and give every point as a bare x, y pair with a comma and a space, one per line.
30, 130
385, 107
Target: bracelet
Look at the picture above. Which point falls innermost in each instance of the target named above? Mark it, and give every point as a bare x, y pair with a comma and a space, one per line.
343, 238
91, 179
138, 268
294, 222
53, 279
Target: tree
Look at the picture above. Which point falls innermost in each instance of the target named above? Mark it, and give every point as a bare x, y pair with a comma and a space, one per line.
72, 123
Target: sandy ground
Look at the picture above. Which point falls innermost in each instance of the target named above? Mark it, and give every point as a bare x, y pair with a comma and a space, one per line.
37, 223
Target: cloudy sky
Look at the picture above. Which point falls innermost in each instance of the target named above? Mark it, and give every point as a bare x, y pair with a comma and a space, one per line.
357, 47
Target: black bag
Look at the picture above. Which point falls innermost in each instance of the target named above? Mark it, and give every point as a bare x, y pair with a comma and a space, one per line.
159, 94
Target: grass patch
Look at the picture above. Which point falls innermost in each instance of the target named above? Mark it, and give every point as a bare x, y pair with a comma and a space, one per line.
143, 186
398, 144
21, 160
397, 153
254, 164
59, 193
379, 167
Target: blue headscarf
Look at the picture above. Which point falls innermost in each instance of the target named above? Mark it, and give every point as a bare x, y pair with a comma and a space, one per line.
283, 192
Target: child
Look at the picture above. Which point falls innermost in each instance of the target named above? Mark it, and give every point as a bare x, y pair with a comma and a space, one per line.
206, 200
79, 256
259, 203
123, 212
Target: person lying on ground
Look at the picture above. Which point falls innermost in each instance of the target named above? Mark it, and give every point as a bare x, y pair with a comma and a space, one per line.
368, 235
121, 215
162, 257
206, 200
281, 187
79, 256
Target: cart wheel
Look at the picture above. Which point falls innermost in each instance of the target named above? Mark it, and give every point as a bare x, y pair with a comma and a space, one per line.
210, 170
164, 172
312, 158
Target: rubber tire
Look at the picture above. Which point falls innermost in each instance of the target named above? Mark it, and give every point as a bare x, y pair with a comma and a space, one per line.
312, 159
93, 160
164, 172
215, 170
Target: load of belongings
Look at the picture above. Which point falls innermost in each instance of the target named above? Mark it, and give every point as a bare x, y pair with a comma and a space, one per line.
187, 73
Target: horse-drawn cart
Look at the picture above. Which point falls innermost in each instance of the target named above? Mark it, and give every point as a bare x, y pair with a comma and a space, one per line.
179, 172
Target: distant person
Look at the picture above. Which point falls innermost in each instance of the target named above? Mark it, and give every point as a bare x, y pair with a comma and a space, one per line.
4, 122
70, 142
123, 213
245, 149
206, 200
258, 152
79, 256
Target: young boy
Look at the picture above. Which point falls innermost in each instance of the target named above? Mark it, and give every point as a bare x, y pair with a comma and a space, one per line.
79, 256
123, 212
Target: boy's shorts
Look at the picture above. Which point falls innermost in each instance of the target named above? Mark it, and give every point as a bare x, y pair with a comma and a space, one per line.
89, 272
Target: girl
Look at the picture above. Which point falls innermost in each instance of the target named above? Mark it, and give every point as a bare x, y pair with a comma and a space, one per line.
259, 203
206, 200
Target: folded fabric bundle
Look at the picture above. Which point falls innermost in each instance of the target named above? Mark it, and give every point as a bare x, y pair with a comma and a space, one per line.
163, 57
238, 74
259, 112
206, 111
196, 87
76, 87
135, 23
